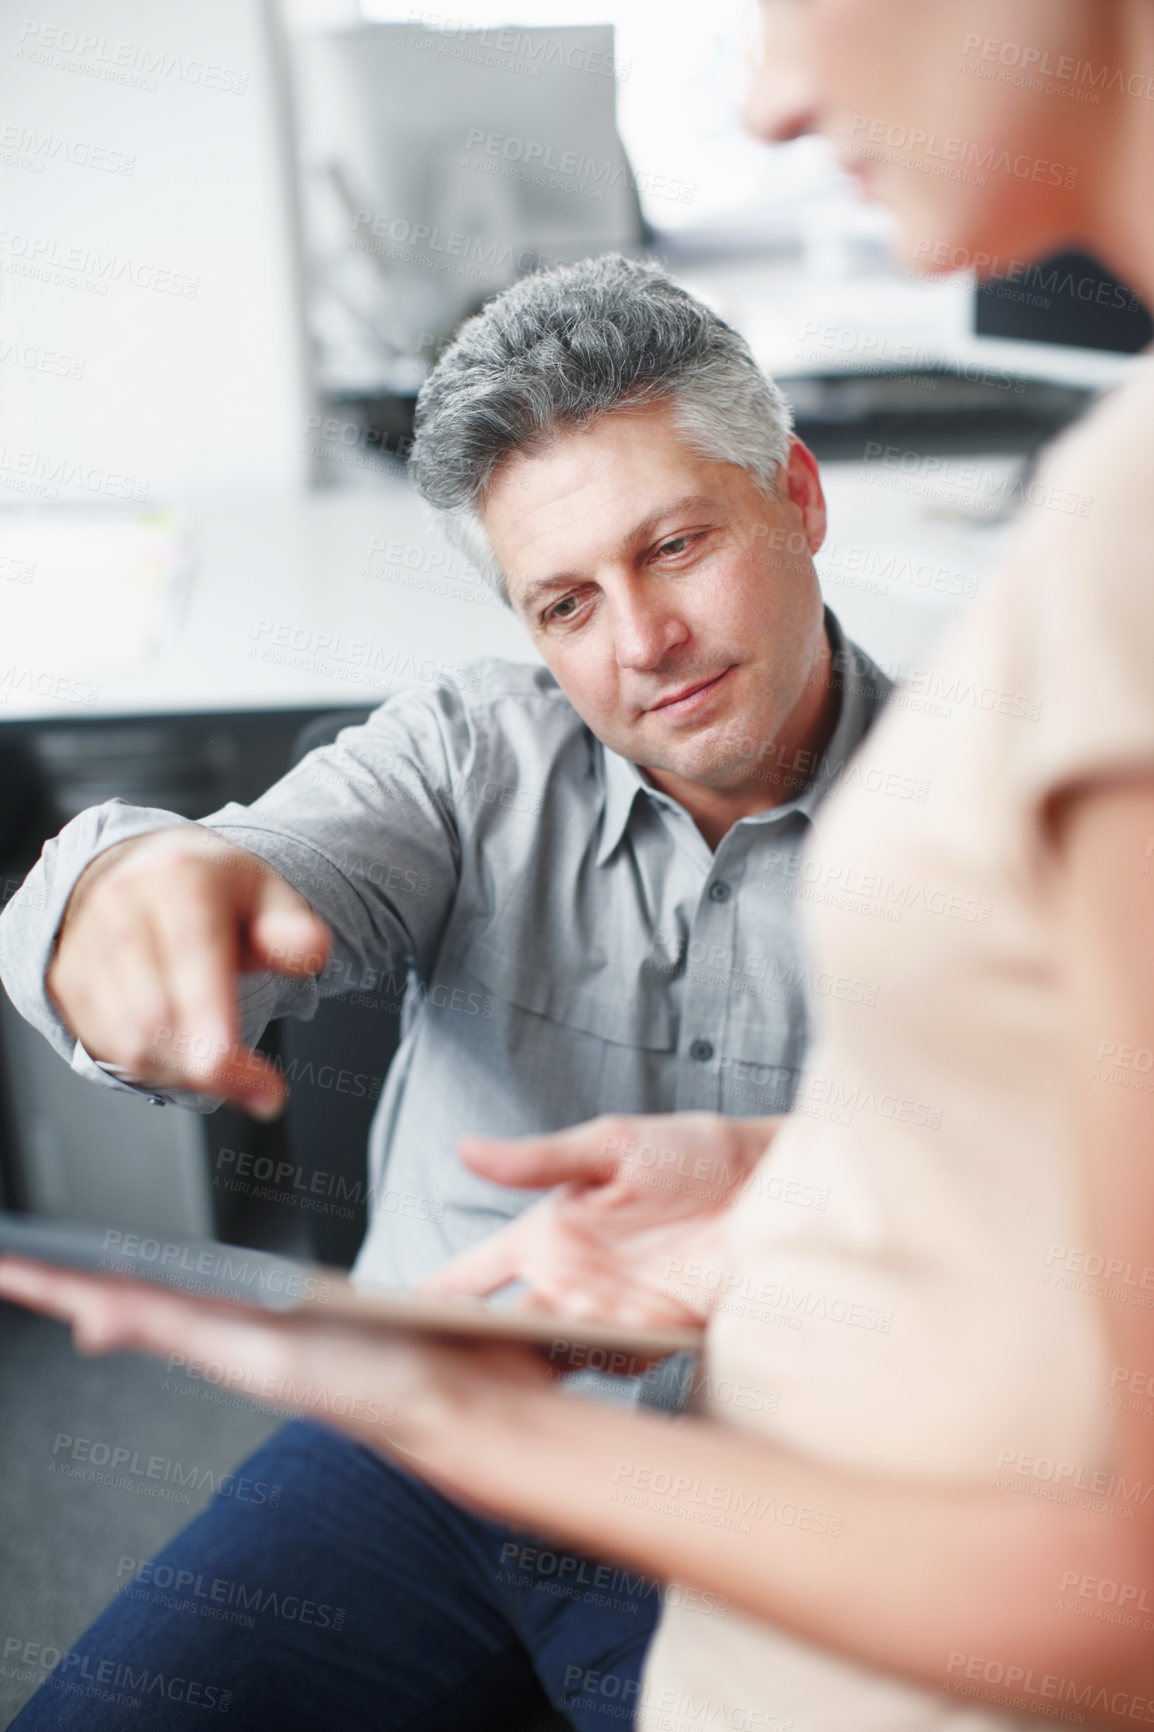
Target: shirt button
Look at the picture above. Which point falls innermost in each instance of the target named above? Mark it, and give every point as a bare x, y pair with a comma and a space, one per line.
702, 1051
719, 892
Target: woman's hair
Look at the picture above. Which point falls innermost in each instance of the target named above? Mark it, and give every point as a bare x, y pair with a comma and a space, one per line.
562, 348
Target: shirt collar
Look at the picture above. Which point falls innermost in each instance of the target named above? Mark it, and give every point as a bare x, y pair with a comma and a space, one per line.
850, 678
623, 780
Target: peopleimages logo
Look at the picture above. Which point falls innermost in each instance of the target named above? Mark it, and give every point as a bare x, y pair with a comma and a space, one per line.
119, 62
1045, 280
1022, 1686
957, 158
537, 161
212, 1596
507, 47
138, 1471
184, 1265
1021, 1468
81, 267
425, 244
23, 146
1067, 73
103, 1678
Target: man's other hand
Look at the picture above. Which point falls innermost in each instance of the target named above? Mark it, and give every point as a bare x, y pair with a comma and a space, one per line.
635, 1230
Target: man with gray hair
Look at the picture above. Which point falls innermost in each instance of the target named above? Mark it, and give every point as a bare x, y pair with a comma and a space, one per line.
592, 875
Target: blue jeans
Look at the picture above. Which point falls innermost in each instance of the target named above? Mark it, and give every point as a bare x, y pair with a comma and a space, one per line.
330, 1589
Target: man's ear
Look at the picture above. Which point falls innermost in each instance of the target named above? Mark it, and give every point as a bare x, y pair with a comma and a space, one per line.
801, 484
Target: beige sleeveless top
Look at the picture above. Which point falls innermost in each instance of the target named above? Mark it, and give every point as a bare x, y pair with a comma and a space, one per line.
938, 1316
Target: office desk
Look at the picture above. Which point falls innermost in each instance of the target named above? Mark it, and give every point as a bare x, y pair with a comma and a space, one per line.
339, 598
309, 601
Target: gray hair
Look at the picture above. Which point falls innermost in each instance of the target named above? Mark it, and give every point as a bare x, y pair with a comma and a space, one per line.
562, 348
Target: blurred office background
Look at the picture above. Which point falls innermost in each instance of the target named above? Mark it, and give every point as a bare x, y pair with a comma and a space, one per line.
234, 236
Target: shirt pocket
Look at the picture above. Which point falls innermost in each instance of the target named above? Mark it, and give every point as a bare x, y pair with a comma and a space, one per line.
611, 1005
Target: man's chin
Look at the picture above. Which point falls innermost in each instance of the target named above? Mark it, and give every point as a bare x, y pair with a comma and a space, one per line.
710, 763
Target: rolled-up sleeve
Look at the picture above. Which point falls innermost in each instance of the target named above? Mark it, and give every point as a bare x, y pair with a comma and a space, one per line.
31, 920
364, 829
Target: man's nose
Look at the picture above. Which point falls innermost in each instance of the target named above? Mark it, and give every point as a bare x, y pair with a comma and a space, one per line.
781, 102
645, 631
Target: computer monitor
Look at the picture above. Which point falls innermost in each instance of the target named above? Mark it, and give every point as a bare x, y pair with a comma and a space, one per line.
441, 164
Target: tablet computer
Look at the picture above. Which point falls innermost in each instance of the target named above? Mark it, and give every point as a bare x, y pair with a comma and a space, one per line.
264, 1281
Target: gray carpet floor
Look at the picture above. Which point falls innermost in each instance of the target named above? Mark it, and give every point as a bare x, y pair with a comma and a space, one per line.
65, 1537
64, 1532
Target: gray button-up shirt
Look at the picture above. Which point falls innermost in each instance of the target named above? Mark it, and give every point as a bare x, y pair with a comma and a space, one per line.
565, 941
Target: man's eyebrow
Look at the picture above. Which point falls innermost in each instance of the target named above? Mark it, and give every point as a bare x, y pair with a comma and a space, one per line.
546, 586
690, 502
639, 533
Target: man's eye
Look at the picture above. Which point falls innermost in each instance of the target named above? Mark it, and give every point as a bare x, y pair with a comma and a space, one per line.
557, 611
676, 546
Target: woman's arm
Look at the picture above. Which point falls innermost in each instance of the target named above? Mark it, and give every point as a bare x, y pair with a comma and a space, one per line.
947, 1587
926, 1582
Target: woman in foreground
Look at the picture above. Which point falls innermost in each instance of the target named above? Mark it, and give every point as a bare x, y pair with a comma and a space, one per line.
933, 1502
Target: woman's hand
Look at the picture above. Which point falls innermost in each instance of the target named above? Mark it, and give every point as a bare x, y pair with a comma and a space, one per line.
635, 1231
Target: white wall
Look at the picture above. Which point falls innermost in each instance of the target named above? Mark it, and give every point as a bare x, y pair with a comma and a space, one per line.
158, 132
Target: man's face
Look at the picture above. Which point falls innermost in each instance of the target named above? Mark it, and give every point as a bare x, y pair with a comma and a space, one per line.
676, 605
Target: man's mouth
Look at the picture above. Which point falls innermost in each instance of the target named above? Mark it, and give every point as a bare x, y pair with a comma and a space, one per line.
686, 699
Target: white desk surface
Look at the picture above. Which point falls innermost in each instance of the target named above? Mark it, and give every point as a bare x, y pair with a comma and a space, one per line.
834, 316
330, 598
342, 597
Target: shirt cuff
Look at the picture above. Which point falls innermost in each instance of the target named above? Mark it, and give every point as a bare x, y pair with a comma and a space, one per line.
112, 1076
